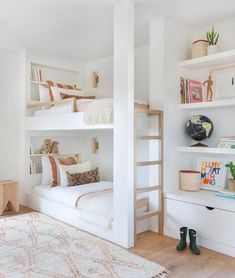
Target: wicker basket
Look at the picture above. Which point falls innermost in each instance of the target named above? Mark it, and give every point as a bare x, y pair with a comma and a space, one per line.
199, 48
190, 180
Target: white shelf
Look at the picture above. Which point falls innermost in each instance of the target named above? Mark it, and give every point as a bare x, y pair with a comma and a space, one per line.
210, 61
209, 104
203, 198
40, 155
207, 150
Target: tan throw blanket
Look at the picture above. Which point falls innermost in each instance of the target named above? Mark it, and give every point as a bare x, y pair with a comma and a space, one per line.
99, 111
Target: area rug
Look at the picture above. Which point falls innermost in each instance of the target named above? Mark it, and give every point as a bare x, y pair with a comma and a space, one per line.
36, 246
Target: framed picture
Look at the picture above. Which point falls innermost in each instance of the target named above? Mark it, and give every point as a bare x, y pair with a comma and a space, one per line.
195, 91
223, 83
213, 172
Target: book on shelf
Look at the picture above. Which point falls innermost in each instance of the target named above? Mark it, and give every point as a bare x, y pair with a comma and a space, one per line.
227, 142
190, 90
36, 75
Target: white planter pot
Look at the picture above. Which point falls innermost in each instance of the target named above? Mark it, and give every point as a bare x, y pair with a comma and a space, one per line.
212, 49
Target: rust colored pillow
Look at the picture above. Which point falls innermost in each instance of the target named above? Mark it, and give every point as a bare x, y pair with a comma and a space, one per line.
83, 178
54, 164
65, 96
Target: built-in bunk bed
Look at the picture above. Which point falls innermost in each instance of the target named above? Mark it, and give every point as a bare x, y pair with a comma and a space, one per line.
82, 196
84, 200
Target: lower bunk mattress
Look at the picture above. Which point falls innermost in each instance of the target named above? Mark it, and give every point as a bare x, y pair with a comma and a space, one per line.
94, 201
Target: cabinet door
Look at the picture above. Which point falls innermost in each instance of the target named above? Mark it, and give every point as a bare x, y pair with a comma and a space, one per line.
224, 83
211, 224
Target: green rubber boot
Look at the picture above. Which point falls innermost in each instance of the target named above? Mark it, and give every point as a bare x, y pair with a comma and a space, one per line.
183, 234
193, 244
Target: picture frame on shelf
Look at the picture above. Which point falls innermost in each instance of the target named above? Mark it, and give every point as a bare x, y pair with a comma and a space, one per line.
224, 83
213, 172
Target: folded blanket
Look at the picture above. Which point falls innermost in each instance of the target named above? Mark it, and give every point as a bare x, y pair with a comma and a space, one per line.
99, 112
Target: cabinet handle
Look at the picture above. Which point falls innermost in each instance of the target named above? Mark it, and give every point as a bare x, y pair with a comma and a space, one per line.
210, 208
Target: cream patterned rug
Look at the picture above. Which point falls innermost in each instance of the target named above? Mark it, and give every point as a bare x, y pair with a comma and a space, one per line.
36, 246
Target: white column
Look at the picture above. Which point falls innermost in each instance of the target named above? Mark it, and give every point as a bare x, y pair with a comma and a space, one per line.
123, 226
156, 62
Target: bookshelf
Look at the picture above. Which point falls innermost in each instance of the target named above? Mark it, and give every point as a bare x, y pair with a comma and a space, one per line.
211, 61
209, 104
207, 150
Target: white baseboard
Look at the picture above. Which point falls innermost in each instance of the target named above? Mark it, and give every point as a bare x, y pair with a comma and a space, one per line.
212, 245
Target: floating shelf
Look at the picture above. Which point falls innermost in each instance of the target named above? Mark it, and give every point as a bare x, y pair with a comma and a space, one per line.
209, 104
210, 61
40, 155
206, 150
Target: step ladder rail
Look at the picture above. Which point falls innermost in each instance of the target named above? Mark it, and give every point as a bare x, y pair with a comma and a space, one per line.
159, 188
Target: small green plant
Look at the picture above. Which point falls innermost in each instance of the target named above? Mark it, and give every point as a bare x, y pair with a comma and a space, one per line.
231, 167
212, 36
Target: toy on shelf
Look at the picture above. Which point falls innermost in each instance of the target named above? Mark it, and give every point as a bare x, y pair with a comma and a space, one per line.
209, 82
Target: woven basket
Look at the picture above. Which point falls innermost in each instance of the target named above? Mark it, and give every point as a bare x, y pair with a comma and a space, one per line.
190, 180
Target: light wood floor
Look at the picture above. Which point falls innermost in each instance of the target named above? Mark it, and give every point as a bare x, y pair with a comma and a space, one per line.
161, 249
184, 264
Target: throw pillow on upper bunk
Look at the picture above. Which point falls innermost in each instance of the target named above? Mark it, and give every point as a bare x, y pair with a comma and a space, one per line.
72, 169
56, 88
54, 165
83, 178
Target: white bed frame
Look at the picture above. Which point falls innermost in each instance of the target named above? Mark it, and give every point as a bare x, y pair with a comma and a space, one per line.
123, 194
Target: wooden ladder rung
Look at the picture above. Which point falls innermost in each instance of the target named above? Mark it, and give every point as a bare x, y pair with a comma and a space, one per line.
147, 214
147, 189
149, 137
148, 163
149, 112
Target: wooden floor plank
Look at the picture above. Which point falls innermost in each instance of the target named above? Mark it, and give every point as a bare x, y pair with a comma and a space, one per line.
184, 264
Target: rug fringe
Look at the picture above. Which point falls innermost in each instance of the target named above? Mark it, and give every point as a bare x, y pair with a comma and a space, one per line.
162, 274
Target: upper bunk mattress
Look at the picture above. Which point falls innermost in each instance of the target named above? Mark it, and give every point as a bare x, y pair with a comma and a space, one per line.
93, 201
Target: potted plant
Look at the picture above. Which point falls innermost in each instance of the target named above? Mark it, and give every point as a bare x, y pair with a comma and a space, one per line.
231, 182
212, 37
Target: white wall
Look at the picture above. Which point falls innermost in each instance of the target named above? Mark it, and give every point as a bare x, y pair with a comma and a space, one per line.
104, 67
11, 90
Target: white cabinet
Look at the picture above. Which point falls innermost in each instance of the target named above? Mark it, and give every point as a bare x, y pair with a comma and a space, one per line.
215, 226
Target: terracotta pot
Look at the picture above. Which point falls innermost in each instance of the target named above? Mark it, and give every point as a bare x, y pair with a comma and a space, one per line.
212, 49
199, 48
190, 180
231, 185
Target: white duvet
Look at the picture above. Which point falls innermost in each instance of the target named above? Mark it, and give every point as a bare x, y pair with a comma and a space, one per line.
93, 201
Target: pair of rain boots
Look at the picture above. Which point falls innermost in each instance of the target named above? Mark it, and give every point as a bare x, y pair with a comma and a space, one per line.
183, 243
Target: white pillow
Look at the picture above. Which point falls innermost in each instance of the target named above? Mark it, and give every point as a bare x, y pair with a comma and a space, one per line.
56, 92
46, 171
44, 93
72, 169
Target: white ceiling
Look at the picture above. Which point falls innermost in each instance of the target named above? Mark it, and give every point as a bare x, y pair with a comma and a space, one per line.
84, 29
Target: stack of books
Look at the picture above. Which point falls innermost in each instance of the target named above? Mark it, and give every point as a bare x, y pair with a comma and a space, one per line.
227, 142
190, 90
226, 194
36, 74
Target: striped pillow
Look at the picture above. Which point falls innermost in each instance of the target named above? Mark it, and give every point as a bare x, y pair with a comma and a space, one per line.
62, 86
54, 164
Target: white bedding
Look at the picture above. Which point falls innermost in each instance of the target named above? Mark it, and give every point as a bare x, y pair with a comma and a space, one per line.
93, 201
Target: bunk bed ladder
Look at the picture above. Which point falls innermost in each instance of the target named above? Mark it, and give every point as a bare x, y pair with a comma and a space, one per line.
159, 187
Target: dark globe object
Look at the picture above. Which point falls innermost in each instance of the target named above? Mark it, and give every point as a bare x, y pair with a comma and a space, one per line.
199, 127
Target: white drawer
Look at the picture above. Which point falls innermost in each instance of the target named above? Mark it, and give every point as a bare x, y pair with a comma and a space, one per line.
215, 225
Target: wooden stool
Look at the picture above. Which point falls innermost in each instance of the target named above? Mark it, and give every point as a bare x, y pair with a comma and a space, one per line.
9, 195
